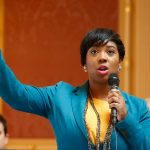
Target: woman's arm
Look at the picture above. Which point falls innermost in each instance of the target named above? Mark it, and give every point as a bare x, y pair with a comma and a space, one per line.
136, 127
23, 97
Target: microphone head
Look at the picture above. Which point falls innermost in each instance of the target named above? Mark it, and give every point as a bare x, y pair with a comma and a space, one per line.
113, 80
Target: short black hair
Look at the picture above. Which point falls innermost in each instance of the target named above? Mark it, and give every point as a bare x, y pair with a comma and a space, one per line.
4, 123
100, 36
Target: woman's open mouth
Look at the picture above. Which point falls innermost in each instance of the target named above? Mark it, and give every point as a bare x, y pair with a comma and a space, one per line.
102, 70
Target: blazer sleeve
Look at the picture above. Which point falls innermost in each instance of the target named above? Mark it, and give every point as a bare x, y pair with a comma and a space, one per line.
136, 126
24, 97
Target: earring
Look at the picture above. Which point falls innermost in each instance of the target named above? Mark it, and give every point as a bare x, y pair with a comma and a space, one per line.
119, 68
85, 69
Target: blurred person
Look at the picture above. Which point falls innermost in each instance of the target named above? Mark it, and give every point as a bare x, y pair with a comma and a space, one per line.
3, 132
81, 116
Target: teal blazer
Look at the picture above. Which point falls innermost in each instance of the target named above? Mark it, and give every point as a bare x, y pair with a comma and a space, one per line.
63, 105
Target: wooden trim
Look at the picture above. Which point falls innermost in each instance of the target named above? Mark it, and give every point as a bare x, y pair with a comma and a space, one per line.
141, 49
1, 34
124, 31
31, 144
134, 30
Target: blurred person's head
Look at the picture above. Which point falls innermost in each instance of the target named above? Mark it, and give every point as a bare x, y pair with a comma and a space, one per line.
3, 132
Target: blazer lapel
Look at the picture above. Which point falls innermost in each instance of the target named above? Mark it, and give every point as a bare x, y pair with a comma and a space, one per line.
78, 105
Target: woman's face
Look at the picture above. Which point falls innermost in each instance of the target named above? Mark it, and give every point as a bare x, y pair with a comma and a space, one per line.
102, 61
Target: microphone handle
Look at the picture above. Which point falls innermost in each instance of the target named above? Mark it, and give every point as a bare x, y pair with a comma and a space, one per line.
114, 116
114, 110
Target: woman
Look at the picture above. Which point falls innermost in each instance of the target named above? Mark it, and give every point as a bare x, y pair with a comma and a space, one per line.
80, 116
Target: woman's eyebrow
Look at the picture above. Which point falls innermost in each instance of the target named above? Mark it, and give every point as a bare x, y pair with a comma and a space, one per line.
109, 46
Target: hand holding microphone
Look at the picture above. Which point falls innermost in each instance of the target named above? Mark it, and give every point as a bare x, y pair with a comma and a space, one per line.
115, 100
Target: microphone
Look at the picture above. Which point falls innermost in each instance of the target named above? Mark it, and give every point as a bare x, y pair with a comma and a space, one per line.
113, 82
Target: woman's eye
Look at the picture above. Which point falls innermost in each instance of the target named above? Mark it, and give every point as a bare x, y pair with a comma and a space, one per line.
110, 52
93, 51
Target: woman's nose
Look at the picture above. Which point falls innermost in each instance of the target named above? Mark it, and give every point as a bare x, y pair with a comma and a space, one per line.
102, 57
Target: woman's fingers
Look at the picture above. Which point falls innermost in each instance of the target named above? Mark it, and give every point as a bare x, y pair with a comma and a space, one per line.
116, 100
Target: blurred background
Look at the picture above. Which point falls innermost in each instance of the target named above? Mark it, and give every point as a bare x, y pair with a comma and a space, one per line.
40, 40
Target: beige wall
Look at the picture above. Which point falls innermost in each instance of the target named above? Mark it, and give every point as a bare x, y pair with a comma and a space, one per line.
134, 26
